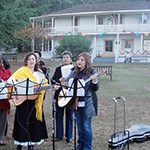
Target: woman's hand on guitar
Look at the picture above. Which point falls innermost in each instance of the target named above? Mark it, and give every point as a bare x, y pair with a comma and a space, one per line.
103, 72
56, 87
93, 78
62, 79
63, 82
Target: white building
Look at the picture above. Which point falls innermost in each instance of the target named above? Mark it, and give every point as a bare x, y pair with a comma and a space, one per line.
114, 28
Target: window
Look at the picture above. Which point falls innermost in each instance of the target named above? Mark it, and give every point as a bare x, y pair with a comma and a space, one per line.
47, 24
100, 20
53, 25
146, 45
127, 44
109, 45
76, 21
121, 19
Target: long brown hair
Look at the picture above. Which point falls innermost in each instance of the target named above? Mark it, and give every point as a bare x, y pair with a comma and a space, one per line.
88, 64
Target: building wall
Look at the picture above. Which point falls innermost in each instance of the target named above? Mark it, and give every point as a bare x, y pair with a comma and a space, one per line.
86, 23
131, 23
63, 24
131, 19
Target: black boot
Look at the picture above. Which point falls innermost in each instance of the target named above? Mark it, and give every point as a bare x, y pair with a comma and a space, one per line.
19, 147
31, 147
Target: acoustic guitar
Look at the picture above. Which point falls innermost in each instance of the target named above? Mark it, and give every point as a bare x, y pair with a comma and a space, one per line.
17, 99
64, 98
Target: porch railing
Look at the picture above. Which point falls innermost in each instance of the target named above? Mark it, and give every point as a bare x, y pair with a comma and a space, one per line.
100, 29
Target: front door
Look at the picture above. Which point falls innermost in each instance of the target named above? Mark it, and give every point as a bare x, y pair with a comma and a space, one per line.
108, 48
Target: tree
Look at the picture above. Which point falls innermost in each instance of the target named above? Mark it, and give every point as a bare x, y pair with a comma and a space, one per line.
14, 16
28, 33
74, 43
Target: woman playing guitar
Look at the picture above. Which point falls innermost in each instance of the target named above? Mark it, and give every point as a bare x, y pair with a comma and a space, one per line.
29, 124
66, 61
87, 105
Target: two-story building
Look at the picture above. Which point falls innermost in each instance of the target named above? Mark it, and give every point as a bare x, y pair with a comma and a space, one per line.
114, 29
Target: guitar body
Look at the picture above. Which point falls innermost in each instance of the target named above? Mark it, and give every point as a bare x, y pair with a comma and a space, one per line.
17, 100
63, 100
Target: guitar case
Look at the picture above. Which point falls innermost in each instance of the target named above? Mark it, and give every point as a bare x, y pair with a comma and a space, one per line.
136, 133
139, 133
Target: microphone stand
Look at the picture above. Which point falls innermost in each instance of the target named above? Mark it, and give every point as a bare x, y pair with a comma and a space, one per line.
53, 112
53, 117
75, 118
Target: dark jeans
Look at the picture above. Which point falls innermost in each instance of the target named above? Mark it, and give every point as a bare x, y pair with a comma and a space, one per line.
128, 60
84, 130
60, 122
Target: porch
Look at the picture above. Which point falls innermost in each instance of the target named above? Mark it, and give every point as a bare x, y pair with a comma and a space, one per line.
96, 29
101, 59
136, 56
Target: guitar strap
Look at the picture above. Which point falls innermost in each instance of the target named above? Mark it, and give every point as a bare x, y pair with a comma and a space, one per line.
73, 105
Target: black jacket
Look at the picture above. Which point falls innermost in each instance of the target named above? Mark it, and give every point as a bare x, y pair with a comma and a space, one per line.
55, 79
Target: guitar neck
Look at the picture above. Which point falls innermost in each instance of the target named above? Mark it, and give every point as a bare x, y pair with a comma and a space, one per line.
101, 73
38, 89
89, 79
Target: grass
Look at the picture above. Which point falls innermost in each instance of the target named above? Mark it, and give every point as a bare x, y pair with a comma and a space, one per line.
131, 81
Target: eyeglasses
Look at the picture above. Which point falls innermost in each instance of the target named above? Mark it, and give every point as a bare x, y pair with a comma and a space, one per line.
29, 59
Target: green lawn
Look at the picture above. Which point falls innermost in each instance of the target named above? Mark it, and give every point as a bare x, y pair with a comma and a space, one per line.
131, 81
